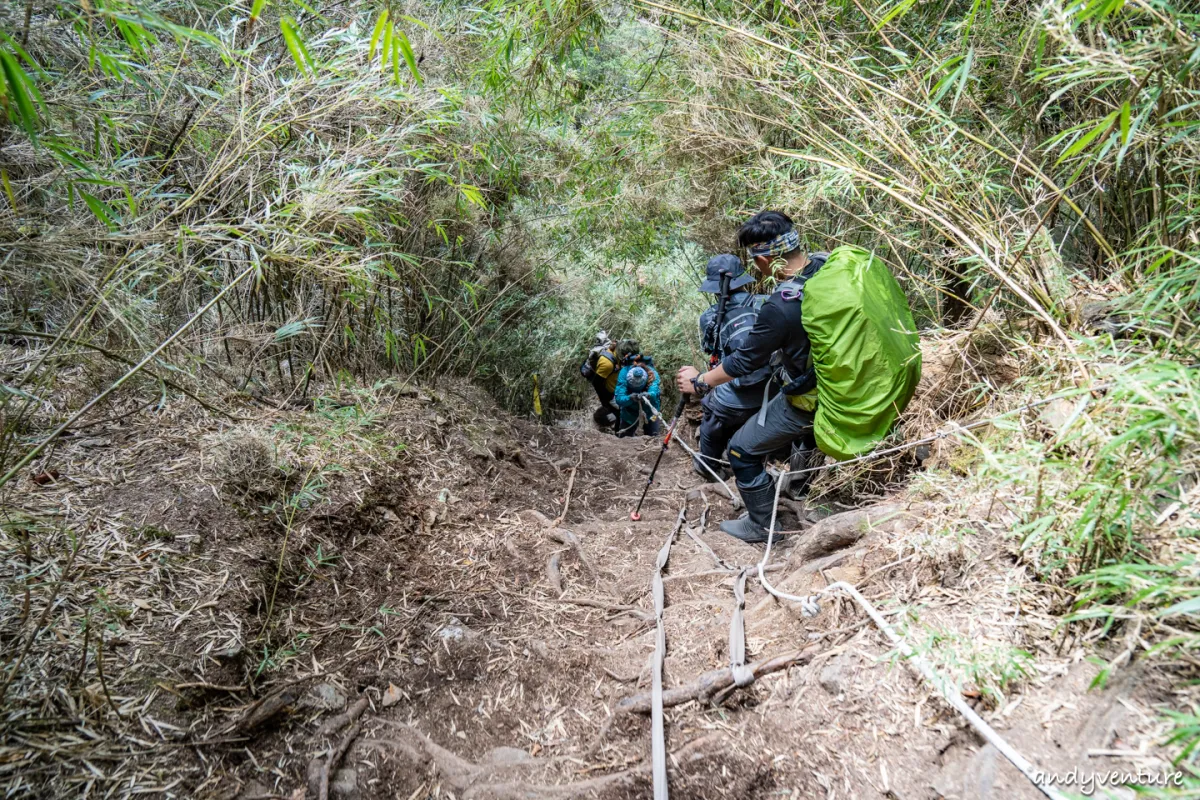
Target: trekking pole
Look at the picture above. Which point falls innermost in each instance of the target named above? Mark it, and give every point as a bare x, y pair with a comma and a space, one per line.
636, 514
722, 302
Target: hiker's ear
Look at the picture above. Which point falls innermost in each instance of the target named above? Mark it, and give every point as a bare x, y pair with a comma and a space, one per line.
763, 263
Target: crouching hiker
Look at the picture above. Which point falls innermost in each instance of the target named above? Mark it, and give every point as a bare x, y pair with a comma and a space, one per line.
724, 326
842, 330
600, 370
639, 397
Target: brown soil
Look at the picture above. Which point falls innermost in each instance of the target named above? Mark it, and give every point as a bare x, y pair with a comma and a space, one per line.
232, 634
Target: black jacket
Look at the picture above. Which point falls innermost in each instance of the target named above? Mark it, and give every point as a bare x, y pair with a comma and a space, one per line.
779, 327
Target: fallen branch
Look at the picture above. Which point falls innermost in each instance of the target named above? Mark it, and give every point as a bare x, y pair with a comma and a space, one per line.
616, 609
714, 681
267, 708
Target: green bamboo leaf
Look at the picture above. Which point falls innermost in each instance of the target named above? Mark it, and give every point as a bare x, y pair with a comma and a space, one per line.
1125, 122
387, 47
472, 194
424, 25
293, 329
1185, 607
19, 91
296, 46
395, 62
17, 50
964, 73
1101, 128
103, 211
8, 190
951, 66
898, 9
376, 33
1097, 9
256, 9
407, 50
67, 154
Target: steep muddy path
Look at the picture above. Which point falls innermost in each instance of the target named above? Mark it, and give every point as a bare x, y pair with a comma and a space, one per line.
444, 600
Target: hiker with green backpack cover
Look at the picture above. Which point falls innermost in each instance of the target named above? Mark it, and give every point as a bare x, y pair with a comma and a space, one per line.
849, 355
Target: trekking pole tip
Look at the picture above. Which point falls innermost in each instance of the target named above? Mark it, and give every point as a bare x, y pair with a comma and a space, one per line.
635, 516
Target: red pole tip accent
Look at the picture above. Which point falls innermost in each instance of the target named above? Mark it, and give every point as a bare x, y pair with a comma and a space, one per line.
633, 515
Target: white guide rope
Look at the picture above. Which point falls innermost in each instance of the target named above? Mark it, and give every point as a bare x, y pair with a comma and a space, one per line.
810, 607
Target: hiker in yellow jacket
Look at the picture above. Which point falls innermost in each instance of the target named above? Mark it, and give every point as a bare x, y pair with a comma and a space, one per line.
601, 370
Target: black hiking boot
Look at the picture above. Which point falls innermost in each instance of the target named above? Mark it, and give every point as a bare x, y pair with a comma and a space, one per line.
796, 486
752, 527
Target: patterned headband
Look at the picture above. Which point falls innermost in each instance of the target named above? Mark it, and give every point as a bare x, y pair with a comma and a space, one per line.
781, 244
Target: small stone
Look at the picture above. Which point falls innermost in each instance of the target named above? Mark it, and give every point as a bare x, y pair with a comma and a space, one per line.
831, 677
231, 654
391, 695
1057, 413
452, 631
329, 697
344, 783
254, 789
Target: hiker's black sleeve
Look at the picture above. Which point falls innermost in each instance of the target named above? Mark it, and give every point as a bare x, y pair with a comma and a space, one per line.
767, 336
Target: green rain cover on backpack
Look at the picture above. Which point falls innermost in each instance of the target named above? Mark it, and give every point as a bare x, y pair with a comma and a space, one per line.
864, 349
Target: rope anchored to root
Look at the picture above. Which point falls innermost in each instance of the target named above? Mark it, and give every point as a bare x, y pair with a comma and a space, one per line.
741, 674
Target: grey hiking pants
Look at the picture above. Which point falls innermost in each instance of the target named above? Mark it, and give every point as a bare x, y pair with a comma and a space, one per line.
717, 427
750, 446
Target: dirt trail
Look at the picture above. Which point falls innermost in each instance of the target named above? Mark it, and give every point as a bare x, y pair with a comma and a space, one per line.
493, 623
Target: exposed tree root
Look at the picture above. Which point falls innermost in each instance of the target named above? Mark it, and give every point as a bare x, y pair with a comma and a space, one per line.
613, 607
840, 531
554, 574
335, 758
335, 724
564, 536
505, 777
486, 781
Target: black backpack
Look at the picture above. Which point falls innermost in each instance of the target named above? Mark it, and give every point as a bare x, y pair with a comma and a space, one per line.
740, 314
588, 368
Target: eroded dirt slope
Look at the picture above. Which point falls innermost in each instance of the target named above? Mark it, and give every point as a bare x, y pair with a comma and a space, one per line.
466, 615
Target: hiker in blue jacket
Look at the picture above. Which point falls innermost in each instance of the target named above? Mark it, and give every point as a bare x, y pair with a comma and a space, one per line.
637, 383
